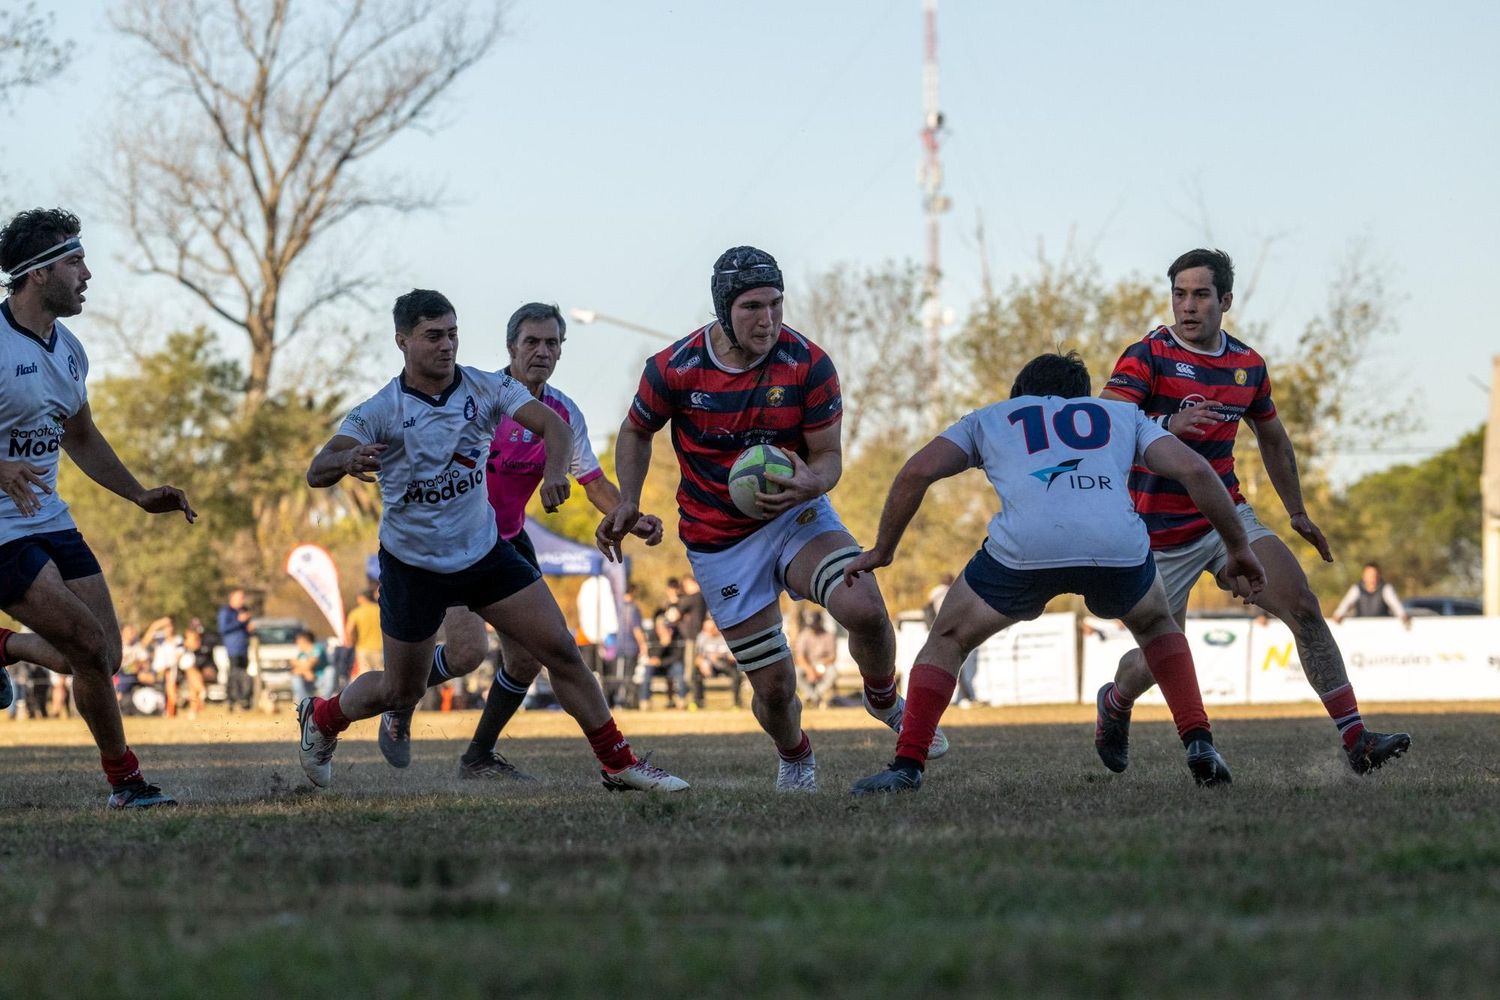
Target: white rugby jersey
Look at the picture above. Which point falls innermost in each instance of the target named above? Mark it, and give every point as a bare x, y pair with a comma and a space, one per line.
1062, 469
437, 512
41, 385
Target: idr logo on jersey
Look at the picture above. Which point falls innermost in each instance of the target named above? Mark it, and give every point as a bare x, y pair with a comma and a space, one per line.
1071, 477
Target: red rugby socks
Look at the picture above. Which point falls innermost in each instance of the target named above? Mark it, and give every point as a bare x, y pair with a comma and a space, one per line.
1343, 709
881, 695
122, 770
328, 716
928, 691
611, 746
1171, 663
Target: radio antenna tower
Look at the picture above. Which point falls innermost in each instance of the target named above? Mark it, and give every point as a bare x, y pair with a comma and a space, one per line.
934, 201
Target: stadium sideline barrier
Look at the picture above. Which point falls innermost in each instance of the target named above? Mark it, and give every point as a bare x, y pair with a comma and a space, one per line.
1239, 662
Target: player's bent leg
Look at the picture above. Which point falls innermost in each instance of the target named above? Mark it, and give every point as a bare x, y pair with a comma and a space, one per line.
817, 571
1165, 650
531, 618
462, 651
1289, 598
73, 617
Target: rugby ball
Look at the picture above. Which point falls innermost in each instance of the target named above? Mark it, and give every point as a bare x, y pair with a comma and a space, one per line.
747, 477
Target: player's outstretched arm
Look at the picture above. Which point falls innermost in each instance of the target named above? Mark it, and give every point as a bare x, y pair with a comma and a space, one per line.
1171, 458
939, 459
344, 456
558, 438
632, 460
91, 452
1280, 460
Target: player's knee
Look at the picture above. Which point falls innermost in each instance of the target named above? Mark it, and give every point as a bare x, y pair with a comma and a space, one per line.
88, 651
463, 656
403, 693
777, 691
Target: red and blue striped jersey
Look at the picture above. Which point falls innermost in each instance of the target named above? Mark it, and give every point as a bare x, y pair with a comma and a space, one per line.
717, 412
1162, 376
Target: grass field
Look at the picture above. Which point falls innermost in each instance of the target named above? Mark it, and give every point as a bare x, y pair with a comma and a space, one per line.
1022, 868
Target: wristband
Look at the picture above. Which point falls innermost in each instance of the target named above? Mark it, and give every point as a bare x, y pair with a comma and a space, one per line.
1163, 420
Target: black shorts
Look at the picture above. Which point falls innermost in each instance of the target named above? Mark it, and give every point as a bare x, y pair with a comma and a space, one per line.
527, 551
413, 601
22, 559
1022, 594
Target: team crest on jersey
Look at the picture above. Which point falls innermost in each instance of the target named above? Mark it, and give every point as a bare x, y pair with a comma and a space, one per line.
1240, 376
775, 396
73, 367
470, 409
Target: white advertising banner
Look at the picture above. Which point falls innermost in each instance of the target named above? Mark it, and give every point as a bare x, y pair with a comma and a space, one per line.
312, 566
1437, 659
1221, 656
1030, 663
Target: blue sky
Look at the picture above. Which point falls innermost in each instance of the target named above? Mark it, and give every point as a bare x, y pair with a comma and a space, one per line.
606, 153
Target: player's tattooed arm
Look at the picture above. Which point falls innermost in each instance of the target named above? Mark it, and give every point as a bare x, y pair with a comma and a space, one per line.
939, 459
344, 456
1280, 460
87, 446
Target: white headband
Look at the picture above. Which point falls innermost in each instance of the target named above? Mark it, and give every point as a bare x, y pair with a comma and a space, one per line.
52, 255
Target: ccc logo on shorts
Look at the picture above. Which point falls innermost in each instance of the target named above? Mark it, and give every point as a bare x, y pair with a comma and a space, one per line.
733, 590
806, 516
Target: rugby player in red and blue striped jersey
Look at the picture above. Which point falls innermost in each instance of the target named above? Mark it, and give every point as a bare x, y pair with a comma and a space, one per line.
743, 380
1200, 383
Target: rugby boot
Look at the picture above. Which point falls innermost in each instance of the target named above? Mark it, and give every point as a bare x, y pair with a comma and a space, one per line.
1111, 733
139, 795
1372, 750
898, 777
797, 775
317, 746
893, 717
395, 737
642, 776
493, 767
1207, 766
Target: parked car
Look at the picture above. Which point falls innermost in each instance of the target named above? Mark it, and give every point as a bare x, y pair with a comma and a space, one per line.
1419, 606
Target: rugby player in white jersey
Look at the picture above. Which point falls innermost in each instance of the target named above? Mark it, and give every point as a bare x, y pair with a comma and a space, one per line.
425, 438
534, 339
1060, 463
49, 579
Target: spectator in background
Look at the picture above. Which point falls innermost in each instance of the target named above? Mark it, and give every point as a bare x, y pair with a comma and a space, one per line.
935, 598
694, 612
629, 644
193, 662
312, 670
235, 629
1372, 597
815, 653
166, 657
663, 656
362, 632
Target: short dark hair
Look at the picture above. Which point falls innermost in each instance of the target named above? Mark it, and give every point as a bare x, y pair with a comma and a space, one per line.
534, 312
419, 304
31, 232
674, 583
308, 635
1216, 261
1053, 375
1373, 565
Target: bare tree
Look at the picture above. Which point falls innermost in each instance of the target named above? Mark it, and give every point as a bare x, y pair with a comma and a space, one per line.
260, 113
28, 52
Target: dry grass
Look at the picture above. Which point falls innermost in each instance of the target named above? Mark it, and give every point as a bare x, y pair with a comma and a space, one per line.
1022, 868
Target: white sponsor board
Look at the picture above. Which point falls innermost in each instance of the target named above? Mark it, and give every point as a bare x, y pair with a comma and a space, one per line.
1221, 652
1030, 663
1437, 659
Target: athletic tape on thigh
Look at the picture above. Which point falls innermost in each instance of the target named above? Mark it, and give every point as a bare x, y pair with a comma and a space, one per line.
830, 571
761, 649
